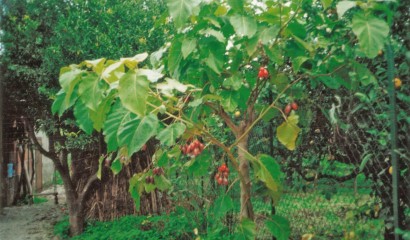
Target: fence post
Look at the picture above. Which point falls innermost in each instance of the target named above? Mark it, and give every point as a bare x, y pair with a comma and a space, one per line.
393, 135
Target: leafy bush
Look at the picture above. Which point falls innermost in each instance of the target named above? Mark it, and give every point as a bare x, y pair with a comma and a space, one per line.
173, 226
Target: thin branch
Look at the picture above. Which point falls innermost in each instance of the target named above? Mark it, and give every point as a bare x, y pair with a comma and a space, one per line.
87, 186
33, 138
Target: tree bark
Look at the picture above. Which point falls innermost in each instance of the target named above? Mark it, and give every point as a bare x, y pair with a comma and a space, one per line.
245, 185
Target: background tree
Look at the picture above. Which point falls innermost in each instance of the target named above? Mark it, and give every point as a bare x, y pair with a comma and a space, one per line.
38, 38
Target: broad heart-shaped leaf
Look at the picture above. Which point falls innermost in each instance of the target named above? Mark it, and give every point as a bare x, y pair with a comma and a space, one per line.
82, 116
151, 75
169, 135
188, 45
133, 92
98, 117
135, 132
168, 87
331, 82
229, 100
91, 90
116, 166
246, 230
268, 171
61, 103
269, 34
97, 65
279, 227
371, 33
281, 81
222, 205
199, 165
244, 26
344, 6
364, 75
162, 183
298, 62
175, 57
132, 62
215, 62
69, 78
116, 117
180, 10
136, 188
113, 72
235, 82
288, 132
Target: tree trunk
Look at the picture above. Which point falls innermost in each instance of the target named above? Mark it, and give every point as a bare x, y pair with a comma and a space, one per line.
246, 204
76, 218
75, 210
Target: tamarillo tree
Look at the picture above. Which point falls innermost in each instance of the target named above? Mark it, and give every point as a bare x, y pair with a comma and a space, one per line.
222, 58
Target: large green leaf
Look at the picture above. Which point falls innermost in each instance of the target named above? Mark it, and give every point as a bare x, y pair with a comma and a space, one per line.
234, 82
364, 75
135, 132
279, 227
243, 25
180, 10
133, 92
168, 87
169, 135
69, 78
246, 230
199, 165
60, 105
229, 100
98, 117
82, 116
215, 62
269, 34
116, 117
97, 65
268, 171
288, 131
116, 166
188, 46
281, 81
136, 189
113, 72
174, 57
343, 6
371, 33
162, 183
222, 205
152, 76
91, 90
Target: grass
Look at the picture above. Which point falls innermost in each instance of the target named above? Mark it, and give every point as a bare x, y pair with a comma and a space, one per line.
37, 200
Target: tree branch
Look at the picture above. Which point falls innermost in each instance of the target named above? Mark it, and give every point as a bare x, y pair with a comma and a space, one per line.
33, 138
87, 187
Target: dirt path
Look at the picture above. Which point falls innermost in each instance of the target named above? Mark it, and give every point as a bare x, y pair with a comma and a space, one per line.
32, 221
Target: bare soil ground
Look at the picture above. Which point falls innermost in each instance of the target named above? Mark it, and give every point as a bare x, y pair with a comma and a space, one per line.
34, 221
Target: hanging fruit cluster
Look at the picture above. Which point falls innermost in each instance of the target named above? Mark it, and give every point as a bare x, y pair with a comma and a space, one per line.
158, 171
263, 73
193, 149
291, 106
222, 176
150, 179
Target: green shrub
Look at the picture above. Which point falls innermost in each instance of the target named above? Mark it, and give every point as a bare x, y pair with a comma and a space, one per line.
173, 226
